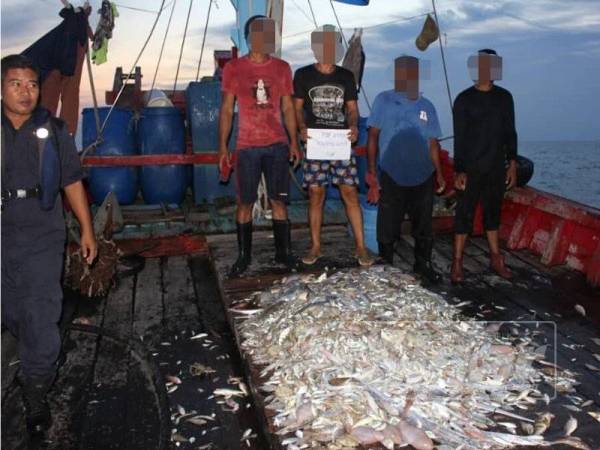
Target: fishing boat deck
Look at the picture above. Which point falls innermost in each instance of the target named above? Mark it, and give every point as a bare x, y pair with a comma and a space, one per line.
110, 394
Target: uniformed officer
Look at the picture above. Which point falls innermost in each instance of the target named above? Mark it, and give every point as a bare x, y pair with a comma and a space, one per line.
39, 159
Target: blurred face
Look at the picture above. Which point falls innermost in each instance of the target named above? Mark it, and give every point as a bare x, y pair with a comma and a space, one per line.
484, 68
20, 92
327, 47
406, 77
262, 36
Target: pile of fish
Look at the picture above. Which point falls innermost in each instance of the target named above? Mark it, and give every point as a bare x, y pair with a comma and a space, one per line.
370, 358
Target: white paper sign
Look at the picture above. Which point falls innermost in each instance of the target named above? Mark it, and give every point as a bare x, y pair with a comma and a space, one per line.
328, 144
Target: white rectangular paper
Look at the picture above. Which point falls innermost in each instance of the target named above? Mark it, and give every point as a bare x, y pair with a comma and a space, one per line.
328, 144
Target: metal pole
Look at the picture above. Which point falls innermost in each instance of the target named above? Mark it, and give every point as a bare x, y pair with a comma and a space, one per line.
442, 52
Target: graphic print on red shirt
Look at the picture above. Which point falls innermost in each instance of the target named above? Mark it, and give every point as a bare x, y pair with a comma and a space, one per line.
258, 89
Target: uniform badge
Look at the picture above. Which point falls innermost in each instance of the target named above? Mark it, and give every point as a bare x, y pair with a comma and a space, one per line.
42, 133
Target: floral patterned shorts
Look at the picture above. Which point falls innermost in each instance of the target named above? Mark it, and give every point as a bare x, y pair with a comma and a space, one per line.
341, 172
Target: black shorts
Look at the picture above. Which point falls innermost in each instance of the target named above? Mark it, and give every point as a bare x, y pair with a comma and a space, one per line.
273, 162
488, 188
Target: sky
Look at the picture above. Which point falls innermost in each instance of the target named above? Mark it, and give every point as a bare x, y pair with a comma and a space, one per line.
550, 49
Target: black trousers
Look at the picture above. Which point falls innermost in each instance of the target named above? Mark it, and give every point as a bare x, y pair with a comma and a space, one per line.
32, 303
396, 201
489, 188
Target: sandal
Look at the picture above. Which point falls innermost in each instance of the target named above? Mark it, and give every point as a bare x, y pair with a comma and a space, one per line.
311, 258
364, 259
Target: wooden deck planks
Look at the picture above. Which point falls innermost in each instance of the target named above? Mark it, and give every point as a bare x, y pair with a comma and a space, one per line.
148, 302
106, 400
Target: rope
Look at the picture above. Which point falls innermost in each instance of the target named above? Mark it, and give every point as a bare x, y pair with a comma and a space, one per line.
187, 21
133, 8
112, 107
312, 13
136, 9
339, 24
163, 46
360, 86
443, 56
94, 98
376, 25
203, 39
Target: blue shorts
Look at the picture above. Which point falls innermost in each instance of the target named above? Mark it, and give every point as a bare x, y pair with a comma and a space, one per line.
341, 172
273, 162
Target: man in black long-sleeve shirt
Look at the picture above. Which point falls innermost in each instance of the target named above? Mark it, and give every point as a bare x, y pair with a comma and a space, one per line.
484, 141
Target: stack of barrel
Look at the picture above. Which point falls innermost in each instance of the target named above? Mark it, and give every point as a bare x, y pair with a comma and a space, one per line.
159, 130
203, 100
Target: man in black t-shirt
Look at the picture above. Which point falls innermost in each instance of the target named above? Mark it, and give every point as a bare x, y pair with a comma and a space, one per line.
325, 97
485, 141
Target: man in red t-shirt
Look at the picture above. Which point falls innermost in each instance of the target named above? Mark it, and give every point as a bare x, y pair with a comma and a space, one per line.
262, 85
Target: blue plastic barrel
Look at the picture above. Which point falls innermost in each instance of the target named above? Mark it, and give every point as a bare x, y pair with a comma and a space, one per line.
118, 140
369, 224
162, 131
203, 100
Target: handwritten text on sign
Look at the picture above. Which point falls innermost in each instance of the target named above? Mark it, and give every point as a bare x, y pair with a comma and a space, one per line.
328, 144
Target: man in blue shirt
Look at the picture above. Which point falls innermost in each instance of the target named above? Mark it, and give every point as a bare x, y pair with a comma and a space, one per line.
403, 132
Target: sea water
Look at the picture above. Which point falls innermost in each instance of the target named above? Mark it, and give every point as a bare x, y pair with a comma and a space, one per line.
570, 169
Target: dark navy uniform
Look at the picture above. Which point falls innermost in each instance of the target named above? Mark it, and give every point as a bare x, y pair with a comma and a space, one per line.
33, 240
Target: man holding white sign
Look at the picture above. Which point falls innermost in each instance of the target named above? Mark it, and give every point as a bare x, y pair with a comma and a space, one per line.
325, 100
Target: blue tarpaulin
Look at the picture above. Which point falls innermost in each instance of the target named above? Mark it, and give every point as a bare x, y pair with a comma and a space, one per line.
354, 2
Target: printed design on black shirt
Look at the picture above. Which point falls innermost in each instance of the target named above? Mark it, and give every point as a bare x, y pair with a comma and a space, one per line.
261, 92
327, 103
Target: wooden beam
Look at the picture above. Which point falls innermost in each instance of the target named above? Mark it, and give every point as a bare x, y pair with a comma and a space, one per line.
150, 160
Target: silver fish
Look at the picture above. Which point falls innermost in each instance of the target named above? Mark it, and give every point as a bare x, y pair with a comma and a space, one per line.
570, 426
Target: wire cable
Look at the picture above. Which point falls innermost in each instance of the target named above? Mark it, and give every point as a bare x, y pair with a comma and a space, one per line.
312, 12
443, 56
361, 88
162, 47
112, 107
187, 21
203, 39
338, 23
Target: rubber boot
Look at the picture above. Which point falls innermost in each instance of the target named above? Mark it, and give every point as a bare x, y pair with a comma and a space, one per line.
386, 252
244, 237
37, 411
423, 267
457, 275
497, 265
282, 232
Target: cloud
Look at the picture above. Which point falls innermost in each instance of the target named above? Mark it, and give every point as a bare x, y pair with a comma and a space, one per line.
551, 48
22, 26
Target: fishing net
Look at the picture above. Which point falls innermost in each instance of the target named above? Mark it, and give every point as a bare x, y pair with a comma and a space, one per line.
97, 279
